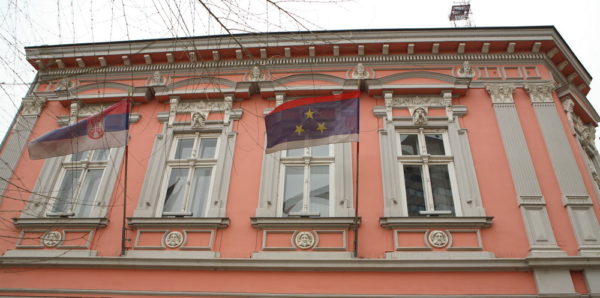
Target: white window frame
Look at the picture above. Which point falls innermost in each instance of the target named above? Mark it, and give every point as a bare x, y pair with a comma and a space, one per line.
191, 163
83, 165
306, 161
424, 159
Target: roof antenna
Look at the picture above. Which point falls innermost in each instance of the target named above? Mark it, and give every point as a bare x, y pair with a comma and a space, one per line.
460, 14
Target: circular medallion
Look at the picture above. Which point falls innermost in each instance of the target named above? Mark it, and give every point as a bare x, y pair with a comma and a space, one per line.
438, 239
174, 239
51, 238
304, 240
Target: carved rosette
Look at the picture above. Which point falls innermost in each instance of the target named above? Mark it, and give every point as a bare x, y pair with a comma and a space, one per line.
32, 106
51, 238
501, 93
540, 93
304, 240
438, 239
174, 239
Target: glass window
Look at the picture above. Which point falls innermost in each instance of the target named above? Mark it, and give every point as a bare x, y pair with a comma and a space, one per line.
189, 183
79, 184
428, 185
306, 181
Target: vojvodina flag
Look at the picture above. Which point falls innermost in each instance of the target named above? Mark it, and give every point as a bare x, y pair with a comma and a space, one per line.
313, 121
107, 129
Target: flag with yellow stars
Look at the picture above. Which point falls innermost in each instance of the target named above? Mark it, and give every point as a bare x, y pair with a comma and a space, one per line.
313, 121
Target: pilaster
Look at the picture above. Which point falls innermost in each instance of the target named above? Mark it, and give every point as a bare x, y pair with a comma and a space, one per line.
574, 194
529, 194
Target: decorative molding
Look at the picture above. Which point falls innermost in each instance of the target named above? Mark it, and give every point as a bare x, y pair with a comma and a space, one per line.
51, 238
501, 93
436, 222
417, 101
419, 115
258, 74
290, 61
356, 265
466, 71
173, 239
60, 222
32, 106
157, 80
540, 93
360, 72
303, 222
304, 240
438, 239
183, 222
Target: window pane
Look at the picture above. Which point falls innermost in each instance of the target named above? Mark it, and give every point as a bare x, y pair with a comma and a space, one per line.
415, 198
200, 187
101, 154
79, 156
87, 194
435, 144
208, 148
322, 150
293, 191
295, 152
184, 148
440, 186
176, 191
319, 190
410, 144
64, 196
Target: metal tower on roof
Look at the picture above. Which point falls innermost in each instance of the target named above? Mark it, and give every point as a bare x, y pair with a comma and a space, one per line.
460, 14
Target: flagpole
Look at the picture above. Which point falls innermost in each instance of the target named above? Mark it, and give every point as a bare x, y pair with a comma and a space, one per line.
356, 201
124, 223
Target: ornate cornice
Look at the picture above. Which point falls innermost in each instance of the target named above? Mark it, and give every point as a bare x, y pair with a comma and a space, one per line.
501, 93
291, 61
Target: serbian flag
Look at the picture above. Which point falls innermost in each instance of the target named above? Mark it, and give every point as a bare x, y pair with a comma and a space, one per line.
313, 121
107, 129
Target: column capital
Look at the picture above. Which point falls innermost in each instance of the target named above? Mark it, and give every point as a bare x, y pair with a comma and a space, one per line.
501, 93
539, 93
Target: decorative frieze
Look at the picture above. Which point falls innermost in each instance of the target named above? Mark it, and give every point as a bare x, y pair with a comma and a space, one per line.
419, 101
540, 93
501, 93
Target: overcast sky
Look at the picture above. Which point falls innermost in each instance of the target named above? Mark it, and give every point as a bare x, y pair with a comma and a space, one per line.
38, 22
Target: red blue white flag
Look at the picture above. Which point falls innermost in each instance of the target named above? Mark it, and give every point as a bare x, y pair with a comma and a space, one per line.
107, 129
313, 121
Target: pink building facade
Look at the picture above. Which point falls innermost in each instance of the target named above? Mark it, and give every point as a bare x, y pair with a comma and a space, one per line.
476, 172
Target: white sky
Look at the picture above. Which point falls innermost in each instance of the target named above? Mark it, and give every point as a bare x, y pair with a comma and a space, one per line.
39, 22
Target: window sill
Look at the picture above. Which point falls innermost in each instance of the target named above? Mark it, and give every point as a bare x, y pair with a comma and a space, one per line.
183, 222
436, 222
303, 222
61, 222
